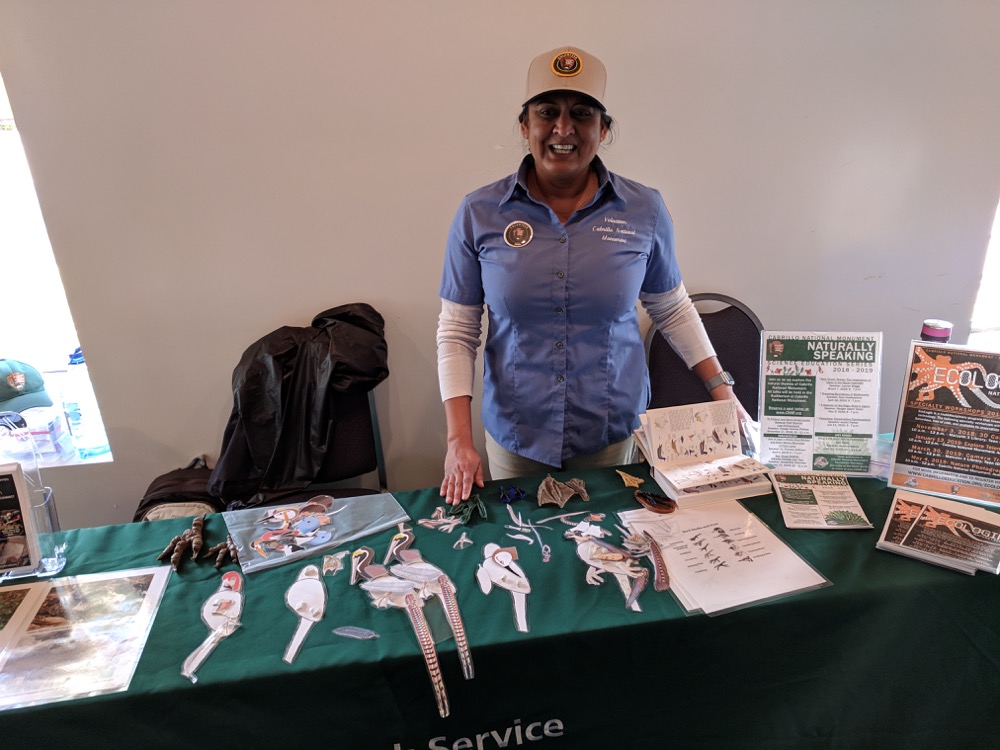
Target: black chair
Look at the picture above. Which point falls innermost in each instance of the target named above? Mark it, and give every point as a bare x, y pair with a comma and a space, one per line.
357, 446
734, 331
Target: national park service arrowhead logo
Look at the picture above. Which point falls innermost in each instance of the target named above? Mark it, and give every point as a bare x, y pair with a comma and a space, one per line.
17, 381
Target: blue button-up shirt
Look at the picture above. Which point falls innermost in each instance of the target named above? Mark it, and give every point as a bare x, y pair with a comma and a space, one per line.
565, 371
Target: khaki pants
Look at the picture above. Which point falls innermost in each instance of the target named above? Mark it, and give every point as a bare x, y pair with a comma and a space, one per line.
506, 465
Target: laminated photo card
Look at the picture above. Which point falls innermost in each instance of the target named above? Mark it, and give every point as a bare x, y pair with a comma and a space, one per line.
19, 549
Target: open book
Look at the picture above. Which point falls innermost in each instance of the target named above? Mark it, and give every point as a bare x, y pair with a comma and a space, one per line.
694, 452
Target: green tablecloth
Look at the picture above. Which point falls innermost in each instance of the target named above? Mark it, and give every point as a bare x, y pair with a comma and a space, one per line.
896, 653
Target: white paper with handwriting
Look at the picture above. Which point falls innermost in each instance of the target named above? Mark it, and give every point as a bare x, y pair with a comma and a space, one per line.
721, 557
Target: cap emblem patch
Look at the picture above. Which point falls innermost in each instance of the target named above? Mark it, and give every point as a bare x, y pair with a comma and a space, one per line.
567, 64
17, 381
518, 233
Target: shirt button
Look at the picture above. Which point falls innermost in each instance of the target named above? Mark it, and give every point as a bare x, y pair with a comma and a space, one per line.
560, 274
559, 345
559, 310
562, 239
559, 378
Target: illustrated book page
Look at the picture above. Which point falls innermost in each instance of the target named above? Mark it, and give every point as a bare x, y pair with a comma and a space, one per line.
723, 469
697, 444
730, 489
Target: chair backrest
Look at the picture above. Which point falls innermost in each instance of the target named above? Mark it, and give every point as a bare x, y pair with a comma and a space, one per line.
357, 443
734, 331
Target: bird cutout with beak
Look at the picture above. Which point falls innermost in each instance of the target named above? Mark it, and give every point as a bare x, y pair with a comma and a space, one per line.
387, 591
333, 564
602, 557
432, 583
645, 545
306, 597
221, 613
499, 569
295, 528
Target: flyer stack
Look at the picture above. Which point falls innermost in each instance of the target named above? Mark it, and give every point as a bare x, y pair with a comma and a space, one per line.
943, 532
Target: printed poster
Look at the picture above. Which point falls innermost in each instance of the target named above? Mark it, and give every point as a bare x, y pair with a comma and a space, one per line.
948, 431
75, 637
819, 400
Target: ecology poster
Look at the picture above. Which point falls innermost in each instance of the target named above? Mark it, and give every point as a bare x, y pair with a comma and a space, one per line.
948, 431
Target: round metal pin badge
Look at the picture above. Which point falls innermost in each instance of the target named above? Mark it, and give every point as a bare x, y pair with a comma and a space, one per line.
518, 233
567, 64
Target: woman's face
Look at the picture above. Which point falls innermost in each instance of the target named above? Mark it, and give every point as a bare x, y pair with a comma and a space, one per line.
563, 132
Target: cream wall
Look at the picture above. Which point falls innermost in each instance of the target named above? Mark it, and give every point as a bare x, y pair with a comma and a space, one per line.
209, 171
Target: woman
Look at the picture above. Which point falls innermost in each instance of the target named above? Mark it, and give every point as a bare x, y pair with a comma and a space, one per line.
559, 252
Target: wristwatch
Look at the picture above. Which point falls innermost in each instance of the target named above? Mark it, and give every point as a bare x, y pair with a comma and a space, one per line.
716, 380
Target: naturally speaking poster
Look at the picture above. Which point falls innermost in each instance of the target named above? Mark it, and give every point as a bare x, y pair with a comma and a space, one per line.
819, 400
948, 432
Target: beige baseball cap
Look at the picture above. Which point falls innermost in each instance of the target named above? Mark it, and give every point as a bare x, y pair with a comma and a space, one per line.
567, 69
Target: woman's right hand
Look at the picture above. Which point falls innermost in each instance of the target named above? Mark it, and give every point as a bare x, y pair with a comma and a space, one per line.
463, 467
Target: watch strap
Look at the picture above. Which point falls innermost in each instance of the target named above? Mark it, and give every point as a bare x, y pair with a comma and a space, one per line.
716, 380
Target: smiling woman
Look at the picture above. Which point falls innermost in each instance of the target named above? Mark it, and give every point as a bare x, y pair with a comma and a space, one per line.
42, 333
559, 253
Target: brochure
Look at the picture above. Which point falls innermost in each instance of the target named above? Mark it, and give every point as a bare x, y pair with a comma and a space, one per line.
76, 637
948, 430
819, 400
943, 532
695, 453
19, 549
721, 557
818, 500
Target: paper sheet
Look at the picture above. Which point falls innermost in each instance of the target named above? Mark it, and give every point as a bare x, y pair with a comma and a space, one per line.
721, 557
